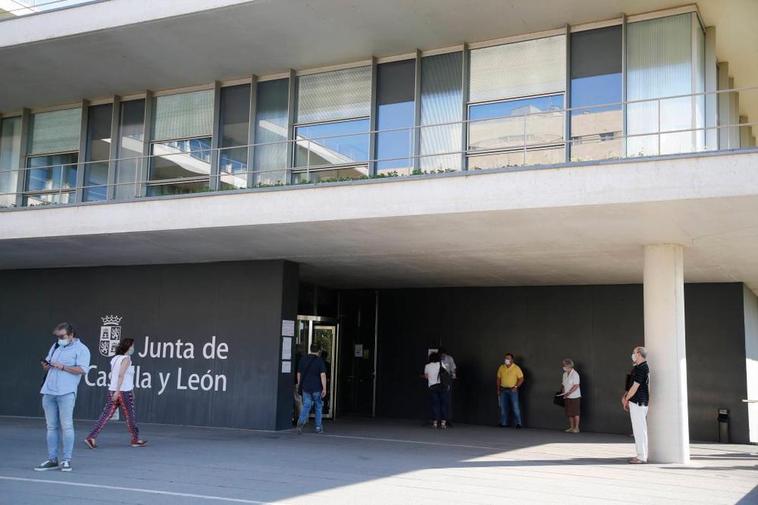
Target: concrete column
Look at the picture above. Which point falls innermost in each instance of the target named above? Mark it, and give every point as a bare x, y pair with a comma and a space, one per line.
663, 288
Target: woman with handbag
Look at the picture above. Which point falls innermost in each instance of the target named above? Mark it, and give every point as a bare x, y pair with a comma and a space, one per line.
120, 394
571, 395
438, 390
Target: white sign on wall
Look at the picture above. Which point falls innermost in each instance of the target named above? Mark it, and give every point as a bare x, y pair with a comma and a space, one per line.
288, 328
286, 347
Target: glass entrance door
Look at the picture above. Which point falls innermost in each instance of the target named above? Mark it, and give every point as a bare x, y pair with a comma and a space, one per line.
324, 332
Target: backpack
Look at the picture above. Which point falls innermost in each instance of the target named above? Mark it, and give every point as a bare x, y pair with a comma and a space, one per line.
445, 378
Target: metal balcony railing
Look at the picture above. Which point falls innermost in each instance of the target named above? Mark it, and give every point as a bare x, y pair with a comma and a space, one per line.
671, 125
18, 8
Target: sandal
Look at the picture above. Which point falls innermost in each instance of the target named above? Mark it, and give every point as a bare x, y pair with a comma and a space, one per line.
636, 461
90, 443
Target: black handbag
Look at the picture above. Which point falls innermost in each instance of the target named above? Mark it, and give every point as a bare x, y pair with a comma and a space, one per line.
559, 400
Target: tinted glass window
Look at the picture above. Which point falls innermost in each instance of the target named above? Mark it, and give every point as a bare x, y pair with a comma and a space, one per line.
395, 111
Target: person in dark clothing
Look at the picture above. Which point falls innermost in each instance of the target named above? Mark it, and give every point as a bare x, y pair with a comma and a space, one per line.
437, 390
449, 363
635, 400
296, 396
311, 380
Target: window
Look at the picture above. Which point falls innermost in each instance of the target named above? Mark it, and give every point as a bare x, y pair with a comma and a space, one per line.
338, 143
130, 148
57, 131
660, 64
53, 156
395, 111
98, 152
233, 131
520, 125
271, 122
441, 102
516, 102
328, 96
181, 143
51, 179
10, 157
332, 131
596, 115
531, 67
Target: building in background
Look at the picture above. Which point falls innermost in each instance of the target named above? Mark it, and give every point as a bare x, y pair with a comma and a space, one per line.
231, 180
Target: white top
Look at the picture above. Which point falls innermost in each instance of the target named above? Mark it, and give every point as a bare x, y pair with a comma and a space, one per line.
128, 383
432, 372
569, 379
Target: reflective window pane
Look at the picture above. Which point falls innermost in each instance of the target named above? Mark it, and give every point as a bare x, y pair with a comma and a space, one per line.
183, 115
235, 119
334, 95
339, 143
527, 122
130, 148
441, 102
56, 131
271, 122
596, 82
98, 152
10, 153
52, 178
531, 67
180, 159
395, 111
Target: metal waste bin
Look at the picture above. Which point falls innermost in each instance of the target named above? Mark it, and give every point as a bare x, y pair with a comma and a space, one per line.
723, 426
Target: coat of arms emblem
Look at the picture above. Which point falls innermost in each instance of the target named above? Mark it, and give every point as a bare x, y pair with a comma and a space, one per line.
110, 335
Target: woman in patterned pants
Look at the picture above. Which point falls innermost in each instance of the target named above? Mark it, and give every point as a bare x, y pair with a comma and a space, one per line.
120, 394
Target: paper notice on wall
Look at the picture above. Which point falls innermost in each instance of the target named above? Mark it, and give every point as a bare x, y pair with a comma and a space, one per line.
288, 328
286, 347
286, 367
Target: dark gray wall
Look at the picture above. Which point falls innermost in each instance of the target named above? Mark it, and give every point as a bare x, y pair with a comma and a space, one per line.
597, 326
241, 303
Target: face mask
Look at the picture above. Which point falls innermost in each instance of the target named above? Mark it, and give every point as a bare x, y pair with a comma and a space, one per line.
62, 341
565, 369
130, 351
634, 358
507, 362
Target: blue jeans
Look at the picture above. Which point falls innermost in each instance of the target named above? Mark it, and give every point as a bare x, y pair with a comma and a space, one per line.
440, 403
508, 404
59, 416
310, 399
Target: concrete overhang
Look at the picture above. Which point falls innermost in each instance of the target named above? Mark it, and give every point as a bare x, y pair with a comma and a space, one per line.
567, 225
120, 47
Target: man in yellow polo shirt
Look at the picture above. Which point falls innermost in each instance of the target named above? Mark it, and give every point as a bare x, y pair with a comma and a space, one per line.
509, 380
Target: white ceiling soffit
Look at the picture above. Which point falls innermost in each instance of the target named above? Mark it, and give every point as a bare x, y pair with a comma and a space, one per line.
125, 46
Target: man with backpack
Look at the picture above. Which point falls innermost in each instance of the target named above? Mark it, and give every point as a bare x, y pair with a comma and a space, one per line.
438, 380
311, 383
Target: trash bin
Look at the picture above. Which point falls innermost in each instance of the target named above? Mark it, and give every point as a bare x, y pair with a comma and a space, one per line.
723, 426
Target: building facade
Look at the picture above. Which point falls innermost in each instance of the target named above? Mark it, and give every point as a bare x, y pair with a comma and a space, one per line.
229, 181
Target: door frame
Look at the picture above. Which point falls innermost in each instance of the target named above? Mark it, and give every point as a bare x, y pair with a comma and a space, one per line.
312, 322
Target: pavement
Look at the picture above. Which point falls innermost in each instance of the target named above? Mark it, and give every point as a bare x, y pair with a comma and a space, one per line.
365, 462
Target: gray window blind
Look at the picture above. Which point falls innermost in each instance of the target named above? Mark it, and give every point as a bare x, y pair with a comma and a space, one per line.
334, 95
184, 115
531, 67
56, 131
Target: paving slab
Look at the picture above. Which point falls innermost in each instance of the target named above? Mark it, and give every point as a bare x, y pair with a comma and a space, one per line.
361, 461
